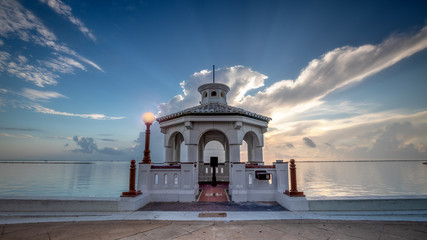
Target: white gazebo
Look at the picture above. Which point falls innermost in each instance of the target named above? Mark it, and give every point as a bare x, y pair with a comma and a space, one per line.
213, 120
190, 130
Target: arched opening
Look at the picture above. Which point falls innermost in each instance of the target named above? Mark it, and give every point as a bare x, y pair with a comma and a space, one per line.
244, 152
183, 156
213, 94
176, 151
251, 149
214, 149
213, 144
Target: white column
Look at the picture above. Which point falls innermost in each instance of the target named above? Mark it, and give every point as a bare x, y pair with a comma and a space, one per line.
144, 178
235, 153
282, 176
168, 154
192, 153
251, 153
177, 153
258, 155
238, 188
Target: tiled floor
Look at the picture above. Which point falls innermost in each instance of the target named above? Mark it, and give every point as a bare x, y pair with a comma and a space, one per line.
213, 198
211, 193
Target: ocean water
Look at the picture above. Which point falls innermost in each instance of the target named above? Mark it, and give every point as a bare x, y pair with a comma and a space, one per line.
367, 178
64, 178
111, 178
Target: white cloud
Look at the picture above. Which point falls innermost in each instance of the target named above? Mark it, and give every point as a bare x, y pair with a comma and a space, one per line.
95, 116
365, 136
16, 21
18, 135
37, 95
19, 22
63, 9
63, 64
90, 63
38, 75
240, 79
336, 69
298, 109
44, 73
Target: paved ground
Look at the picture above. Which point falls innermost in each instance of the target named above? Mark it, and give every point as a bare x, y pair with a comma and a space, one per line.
281, 229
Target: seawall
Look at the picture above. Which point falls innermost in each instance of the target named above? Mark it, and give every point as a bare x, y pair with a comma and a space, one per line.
71, 204
375, 203
91, 204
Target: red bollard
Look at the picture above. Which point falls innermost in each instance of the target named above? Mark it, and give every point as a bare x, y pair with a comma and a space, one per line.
294, 191
132, 192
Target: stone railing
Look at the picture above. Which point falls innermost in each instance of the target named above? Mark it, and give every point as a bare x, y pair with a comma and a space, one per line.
169, 183
222, 172
245, 186
179, 182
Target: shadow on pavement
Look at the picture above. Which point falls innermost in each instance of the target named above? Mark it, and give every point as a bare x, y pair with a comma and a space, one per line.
213, 206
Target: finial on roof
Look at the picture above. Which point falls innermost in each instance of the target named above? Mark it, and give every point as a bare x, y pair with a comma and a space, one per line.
213, 72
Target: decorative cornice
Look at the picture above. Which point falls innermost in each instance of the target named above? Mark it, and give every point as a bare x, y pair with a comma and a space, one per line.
214, 86
213, 109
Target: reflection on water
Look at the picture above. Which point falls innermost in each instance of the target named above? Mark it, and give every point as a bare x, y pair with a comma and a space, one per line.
389, 178
110, 179
98, 179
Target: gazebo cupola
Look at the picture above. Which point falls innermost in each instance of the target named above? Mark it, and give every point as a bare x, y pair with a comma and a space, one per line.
214, 93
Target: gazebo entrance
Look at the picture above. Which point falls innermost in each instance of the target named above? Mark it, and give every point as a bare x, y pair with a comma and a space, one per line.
213, 143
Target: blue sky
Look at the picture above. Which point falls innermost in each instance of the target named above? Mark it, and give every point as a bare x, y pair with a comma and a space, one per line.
342, 80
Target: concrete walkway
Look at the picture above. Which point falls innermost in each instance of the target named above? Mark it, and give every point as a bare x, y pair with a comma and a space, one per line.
36, 217
279, 229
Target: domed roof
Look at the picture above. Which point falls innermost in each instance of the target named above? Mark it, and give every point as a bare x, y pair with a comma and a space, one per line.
213, 109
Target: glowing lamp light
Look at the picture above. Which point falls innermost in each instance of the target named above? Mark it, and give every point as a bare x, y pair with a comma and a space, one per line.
148, 118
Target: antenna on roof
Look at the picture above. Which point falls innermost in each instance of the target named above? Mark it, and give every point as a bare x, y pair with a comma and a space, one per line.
213, 72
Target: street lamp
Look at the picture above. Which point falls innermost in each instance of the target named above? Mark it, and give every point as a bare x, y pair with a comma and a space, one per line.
148, 119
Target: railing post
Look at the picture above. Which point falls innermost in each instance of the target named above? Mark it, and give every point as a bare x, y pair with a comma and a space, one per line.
132, 192
294, 191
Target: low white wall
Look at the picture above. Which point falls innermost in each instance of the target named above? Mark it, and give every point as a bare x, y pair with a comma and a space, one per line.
244, 187
163, 183
375, 203
260, 190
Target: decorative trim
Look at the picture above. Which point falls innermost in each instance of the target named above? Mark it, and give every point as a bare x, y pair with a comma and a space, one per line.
259, 166
189, 125
165, 167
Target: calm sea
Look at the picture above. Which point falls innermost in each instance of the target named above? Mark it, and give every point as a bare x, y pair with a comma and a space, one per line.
110, 178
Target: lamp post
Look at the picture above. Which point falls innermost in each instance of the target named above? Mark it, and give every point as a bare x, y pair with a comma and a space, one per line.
148, 119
